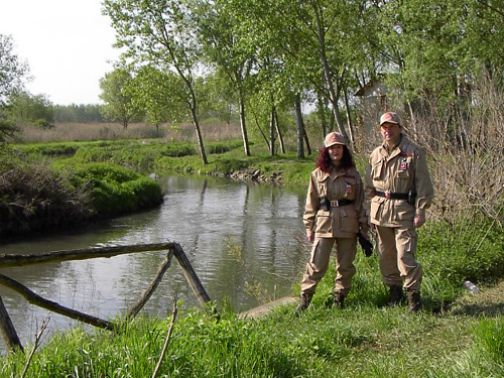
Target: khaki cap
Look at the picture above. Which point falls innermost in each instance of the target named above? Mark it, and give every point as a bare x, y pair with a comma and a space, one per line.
390, 117
334, 138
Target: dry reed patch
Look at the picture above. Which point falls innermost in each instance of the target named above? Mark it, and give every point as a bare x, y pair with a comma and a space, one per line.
112, 131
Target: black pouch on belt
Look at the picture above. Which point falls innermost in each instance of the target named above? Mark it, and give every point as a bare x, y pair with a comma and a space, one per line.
411, 197
325, 204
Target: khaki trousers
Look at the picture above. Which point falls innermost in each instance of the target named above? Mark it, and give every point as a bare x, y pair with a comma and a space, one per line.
319, 262
397, 249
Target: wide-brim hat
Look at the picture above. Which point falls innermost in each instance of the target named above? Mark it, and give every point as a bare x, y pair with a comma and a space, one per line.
334, 138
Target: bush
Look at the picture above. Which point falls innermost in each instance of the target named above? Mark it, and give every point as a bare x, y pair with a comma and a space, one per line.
115, 190
34, 198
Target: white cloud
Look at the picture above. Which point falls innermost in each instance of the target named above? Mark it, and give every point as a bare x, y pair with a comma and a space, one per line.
66, 43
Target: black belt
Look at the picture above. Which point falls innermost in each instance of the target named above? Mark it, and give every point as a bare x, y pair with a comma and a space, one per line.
392, 195
341, 202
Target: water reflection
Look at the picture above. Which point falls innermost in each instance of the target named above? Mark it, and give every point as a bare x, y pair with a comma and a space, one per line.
242, 240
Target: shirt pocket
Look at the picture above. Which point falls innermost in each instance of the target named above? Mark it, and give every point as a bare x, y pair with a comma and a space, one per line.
376, 208
350, 188
377, 171
323, 222
404, 211
404, 168
349, 222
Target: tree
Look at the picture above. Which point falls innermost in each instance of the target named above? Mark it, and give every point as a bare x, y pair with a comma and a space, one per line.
117, 94
217, 97
12, 71
160, 95
84, 113
161, 34
25, 109
219, 27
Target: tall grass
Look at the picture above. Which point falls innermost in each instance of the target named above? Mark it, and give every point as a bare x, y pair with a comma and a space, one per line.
489, 339
114, 131
358, 341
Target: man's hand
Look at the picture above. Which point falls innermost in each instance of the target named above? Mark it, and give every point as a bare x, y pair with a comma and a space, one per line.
419, 220
310, 235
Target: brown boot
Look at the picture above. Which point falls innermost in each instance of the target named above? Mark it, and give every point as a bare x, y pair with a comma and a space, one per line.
396, 295
303, 303
338, 299
415, 304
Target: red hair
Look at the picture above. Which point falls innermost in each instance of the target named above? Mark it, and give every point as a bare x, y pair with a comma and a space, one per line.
324, 162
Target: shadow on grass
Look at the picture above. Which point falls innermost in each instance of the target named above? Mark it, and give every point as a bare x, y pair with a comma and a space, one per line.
480, 309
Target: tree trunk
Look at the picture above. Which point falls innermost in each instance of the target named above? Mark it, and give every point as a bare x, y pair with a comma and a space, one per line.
272, 132
263, 134
305, 135
300, 133
333, 93
349, 120
195, 120
413, 120
243, 126
279, 132
321, 107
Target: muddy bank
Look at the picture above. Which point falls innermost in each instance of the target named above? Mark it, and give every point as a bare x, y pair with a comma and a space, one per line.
256, 176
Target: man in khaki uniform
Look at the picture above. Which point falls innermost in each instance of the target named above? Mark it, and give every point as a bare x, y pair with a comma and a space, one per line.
400, 189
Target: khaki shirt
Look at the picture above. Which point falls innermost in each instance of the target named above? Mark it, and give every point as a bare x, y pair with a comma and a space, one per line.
403, 170
338, 222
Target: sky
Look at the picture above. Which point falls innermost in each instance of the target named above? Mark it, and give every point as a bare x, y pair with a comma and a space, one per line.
67, 44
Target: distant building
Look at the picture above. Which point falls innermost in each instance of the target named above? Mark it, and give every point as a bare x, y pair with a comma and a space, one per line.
373, 102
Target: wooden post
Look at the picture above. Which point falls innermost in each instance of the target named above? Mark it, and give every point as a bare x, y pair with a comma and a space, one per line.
36, 299
133, 311
7, 329
190, 275
8, 260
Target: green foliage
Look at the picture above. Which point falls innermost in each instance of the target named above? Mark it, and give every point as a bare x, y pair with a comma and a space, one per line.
83, 113
49, 149
472, 249
117, 93
115, 190
12, 70
133, 155
489, 338
160, 94
26, 109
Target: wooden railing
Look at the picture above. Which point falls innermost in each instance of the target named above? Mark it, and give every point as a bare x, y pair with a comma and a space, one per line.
174, 249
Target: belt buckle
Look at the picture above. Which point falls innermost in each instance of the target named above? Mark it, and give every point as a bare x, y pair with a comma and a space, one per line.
335, 203
387, 194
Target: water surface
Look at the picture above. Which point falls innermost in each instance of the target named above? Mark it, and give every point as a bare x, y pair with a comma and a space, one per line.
245, 242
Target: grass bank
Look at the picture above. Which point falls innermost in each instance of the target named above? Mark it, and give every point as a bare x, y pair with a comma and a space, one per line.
42, 189
365, 339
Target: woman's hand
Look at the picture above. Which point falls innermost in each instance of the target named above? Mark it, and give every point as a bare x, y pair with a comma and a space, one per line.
310, 235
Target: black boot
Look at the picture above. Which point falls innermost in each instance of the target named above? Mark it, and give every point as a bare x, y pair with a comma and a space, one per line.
303, 303
338, 299
414, 301
396, 295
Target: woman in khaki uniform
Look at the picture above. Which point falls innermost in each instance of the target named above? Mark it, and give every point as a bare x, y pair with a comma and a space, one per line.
334, 214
